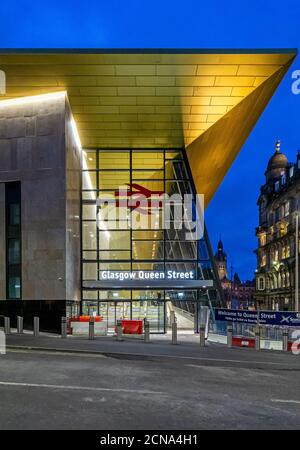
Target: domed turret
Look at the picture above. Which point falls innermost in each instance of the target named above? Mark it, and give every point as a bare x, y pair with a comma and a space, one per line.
277, 164
220, 254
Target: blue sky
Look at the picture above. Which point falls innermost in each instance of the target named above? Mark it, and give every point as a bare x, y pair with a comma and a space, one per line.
178, 24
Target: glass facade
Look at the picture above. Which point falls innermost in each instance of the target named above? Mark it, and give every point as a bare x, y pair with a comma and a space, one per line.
154, 248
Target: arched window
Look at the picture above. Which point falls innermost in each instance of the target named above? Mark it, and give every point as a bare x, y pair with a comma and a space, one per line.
261, 284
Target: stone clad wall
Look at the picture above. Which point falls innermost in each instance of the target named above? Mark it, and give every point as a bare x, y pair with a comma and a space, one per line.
33, 150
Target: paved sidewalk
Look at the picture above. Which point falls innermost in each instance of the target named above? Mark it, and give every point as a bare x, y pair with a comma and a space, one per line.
160, 346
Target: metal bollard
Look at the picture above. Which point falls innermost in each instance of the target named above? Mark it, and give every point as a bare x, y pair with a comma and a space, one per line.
36, 326
174, 332
92, 328
146, 331
119, 330
6, 325
229, 335
172, 317
285, 339
64, 327
257, 337
202, 336
20, 325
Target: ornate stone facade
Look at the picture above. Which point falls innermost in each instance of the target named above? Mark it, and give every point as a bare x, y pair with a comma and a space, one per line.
278, 204
238, 294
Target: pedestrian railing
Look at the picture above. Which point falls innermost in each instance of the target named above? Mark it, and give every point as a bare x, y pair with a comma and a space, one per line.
256, 336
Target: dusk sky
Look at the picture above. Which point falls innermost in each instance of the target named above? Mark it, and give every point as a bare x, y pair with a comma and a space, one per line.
189, 24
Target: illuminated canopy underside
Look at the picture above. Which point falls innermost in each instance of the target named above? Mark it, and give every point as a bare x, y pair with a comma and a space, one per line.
205, 101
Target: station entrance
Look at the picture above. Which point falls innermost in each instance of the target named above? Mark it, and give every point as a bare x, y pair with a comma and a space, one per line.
141, 253
153, 305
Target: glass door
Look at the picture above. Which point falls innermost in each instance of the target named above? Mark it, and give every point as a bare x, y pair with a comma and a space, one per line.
149, 305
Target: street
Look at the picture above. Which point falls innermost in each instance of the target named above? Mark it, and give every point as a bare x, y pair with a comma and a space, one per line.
220, 389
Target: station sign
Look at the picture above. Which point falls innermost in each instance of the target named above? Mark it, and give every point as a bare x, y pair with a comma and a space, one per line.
280, 318
146, 275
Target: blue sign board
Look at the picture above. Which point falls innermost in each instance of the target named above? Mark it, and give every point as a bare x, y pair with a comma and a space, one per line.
282, 318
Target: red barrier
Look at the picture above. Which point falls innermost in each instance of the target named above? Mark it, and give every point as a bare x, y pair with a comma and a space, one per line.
243, 342
290, 343
132, 326
86, 319
250, 343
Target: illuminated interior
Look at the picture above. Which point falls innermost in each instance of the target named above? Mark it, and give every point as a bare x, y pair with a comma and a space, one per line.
129, 248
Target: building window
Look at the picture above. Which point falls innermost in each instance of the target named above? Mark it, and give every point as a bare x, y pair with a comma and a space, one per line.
261, 284
291, 171
263, 259
277, 185
286, 209
287, 251
282, 229
283, 179
13, 240
287, 279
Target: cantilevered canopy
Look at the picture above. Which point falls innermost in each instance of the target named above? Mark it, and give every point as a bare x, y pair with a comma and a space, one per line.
205, 100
